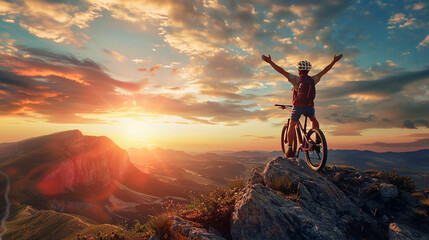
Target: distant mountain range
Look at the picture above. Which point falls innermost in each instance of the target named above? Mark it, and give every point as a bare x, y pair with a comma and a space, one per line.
216, 168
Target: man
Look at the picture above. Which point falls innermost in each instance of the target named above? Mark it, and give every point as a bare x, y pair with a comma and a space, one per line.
303, 103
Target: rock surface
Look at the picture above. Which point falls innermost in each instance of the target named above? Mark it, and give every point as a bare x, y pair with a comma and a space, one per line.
388, 191
262, 213
289, 200
398, 232
322, 212
182, 227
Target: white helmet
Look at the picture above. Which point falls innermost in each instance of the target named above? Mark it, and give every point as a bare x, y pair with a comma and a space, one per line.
304, 65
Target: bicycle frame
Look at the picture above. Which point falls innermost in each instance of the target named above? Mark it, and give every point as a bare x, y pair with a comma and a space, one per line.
301, 133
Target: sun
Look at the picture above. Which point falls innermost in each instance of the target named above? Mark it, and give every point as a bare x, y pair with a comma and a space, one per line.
131, 130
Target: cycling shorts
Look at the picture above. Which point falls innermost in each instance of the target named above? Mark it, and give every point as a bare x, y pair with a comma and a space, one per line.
298, 111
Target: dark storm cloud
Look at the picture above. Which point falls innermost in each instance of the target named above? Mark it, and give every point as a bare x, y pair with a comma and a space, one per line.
380, 87
62, 58
412, 124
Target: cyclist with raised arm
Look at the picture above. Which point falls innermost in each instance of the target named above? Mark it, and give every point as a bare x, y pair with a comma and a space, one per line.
303, 94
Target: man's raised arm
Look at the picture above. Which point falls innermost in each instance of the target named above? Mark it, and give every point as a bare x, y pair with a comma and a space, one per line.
275, 66
327, 68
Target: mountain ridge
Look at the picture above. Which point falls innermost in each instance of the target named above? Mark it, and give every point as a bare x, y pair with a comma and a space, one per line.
68, 171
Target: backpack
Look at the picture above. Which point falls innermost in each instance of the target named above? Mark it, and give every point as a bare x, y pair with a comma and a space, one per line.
306, 91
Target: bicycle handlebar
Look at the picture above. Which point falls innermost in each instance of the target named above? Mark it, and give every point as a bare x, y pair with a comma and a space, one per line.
283, 106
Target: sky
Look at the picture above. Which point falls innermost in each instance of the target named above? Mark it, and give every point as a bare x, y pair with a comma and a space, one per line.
188, 74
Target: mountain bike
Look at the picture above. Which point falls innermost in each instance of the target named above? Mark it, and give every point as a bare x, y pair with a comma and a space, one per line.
313, 143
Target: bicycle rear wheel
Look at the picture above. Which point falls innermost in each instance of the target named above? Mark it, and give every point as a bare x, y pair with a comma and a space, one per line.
284, 140
317, 154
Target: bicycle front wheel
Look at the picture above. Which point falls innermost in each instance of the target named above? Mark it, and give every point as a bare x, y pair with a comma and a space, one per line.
284, 140
317, 152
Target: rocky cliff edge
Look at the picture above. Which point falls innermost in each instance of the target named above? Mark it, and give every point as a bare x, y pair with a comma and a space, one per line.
288, 200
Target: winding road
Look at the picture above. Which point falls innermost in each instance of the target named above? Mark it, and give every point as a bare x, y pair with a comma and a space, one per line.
6, 197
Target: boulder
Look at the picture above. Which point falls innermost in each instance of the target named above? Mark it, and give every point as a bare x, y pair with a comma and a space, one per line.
256, 176
182, 227
262, 213
321, 212
316, 193
388, 191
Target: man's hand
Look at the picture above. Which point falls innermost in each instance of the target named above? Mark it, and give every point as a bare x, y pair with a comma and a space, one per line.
327, 68
337, 58
266, 59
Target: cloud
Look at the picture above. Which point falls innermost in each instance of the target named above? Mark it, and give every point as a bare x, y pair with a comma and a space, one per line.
61, 88
225, 80
154, 68
309, 18
138, 60
393, 101
399, 20
58, 86
418, 6
255, 137
117, 56
412, 124
381, 87
228, 95
425, 42
8, 20
222, 72
57, 21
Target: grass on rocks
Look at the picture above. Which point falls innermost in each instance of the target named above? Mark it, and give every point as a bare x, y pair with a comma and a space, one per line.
284, 185
403, 183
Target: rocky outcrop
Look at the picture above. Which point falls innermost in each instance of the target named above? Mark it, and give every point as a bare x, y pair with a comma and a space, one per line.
185, 229
183, 226
288, 200
262, 213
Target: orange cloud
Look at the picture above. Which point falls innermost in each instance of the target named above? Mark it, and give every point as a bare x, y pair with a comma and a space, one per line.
44, 85
154, 68
33, 72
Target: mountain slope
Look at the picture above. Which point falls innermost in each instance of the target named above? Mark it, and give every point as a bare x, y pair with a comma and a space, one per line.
29, 223
70, 172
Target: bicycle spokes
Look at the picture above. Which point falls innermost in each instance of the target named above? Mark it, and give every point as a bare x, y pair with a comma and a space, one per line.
316, 153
